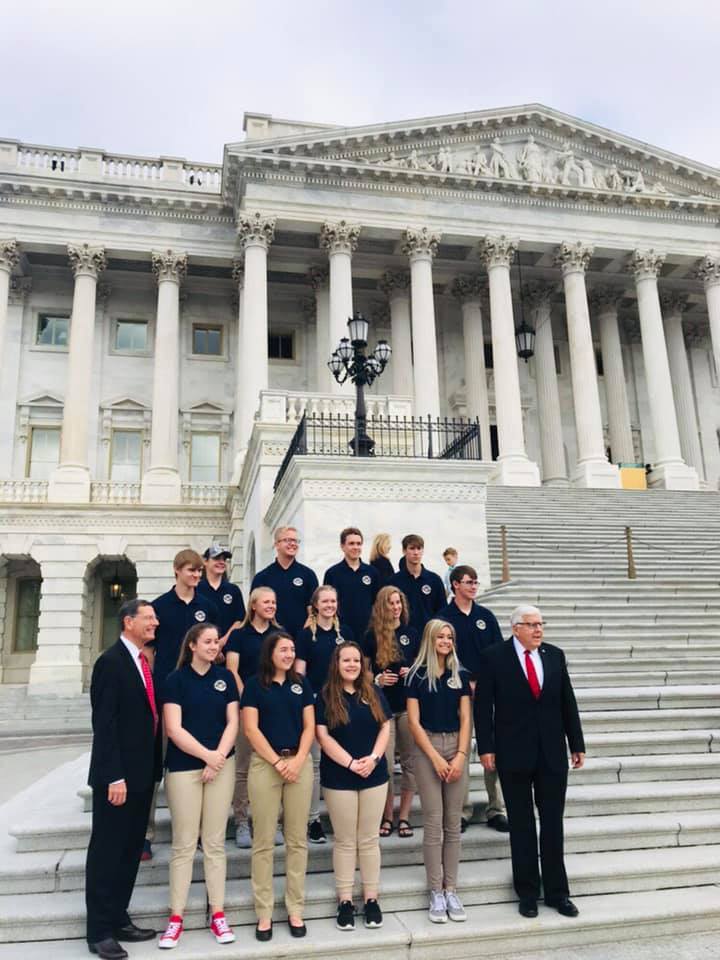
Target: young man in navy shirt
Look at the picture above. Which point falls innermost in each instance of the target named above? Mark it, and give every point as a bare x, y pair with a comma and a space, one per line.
423, 588
226, 596
293, 582
357, 583
476, 629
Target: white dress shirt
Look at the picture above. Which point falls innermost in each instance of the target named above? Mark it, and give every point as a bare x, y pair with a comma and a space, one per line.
135, 654
534, 656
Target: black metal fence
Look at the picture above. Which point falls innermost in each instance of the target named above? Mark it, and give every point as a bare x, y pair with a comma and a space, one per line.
328, 435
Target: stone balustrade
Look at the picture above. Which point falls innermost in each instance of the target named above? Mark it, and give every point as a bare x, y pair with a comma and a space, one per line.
114, 491
288, 406
204, 494
23, 491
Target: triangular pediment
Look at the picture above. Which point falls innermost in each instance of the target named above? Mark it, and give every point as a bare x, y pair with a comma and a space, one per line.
531, 148
42, 400
206, 407
124, 403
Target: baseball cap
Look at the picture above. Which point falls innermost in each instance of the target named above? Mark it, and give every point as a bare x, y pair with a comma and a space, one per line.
216, 552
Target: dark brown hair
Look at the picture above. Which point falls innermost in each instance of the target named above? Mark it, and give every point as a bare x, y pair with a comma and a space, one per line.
266, 668
349, 532
462, 570
412, 540
192, 636
336, 712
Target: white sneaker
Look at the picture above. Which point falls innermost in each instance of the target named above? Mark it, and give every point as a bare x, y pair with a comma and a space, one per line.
171, 937
221, 929
455, 909
279, 838
438, 908
243, 838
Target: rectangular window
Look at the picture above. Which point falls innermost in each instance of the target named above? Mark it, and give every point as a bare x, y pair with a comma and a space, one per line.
281, 346
207, 341
599, 362
53, 331
131, 336
27, 614
126, 455
44, 452
556, 354
488, 356
205, 457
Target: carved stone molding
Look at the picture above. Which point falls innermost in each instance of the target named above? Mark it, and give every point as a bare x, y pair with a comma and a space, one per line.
20, 288
395, 282
86, 261
388, 491
169, 265
708, 270
697, 333
380, 312
631, 326
468, 288
238, 271
255, 229
420, 243
339, 237
9, 254
498, 251
573, 257
308, 305
319, 278
673, 302
539, 293
103, 295
603, 297
645, 264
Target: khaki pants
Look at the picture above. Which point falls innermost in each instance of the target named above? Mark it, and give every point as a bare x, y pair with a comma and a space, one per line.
268, 792
243, 753
442, 809
355, 816
400, 735
315, 801
198, 808
496, 801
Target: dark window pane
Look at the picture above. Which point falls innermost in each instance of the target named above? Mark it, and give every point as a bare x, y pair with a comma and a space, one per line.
27, 614
207, 341
488, 356
53, 331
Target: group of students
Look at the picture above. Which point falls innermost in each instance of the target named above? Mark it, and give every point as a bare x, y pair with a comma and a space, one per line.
317, 687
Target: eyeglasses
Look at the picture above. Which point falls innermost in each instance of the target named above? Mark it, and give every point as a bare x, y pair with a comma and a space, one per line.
289, 540
468, 583
540, 625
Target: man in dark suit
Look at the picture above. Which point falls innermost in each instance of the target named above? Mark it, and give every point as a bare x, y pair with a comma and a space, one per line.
125, 764
525, 718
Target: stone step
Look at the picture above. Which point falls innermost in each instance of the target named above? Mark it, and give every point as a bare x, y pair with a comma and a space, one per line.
644, 742
647, 698
640, 675
626, 720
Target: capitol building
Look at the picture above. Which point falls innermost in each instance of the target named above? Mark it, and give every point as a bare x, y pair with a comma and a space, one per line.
166, 325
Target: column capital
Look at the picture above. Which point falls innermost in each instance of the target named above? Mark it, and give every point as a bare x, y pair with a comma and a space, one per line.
603, 297
466, 289
394, 282
255, 230
708, 270
319, 277
380, 312
498, 251
103, 294
169, 265
238, 271
9, 255
696, 333
20, 288
86, 261
341, 237
539, 293
645, 264
420, 244
673, 302
573, 257
308, 305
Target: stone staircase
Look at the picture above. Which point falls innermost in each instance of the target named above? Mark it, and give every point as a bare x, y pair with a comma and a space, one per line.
642, 819
27, 721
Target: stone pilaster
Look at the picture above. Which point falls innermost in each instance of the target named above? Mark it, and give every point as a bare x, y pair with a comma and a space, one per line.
396, 286
709, 272
238, 275
605, 302
471, 292
9, 257
340, 240
673, 307
420, 246
320, 282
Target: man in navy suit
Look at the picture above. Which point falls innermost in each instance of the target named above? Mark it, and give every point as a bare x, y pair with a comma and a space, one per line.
125, 764
525, 719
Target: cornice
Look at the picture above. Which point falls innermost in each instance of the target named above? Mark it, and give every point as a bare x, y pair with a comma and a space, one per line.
105, 208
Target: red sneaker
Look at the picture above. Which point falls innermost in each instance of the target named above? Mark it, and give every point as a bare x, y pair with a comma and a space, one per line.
171, 937
221, 928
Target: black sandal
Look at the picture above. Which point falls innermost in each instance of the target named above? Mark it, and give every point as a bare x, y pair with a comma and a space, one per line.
386, 827
405, 829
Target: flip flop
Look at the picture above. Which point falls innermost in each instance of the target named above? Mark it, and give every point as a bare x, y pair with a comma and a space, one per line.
404, 829
386, 828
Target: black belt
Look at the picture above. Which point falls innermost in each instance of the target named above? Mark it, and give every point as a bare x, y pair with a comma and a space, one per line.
287, 752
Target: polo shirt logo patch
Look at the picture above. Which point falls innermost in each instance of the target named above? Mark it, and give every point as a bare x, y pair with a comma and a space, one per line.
227, 598
426, 589
296, 688
220, 685
200, 616
453, 683
367, 580
298, 582
339, 640
405, 640
480, 624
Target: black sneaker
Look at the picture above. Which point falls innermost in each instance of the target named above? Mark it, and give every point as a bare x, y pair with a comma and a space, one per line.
316, 834
345, 916
373, 914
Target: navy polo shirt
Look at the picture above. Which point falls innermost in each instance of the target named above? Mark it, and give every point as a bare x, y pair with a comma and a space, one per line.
425, 594
408, 642
229, 602
203, 700
280, 709
475, 632
176, 617
318, 652
439, 708
356, 590
358, 737
293, 588
246, 642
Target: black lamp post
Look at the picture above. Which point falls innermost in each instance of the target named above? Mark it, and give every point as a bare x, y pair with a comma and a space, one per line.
349, 361
524, 335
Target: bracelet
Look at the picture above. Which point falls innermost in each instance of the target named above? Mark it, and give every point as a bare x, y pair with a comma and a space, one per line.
462, 752
352, 761
277, 761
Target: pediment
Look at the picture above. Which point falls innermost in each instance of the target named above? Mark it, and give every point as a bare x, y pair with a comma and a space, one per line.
206, 407
42, 400
124, 403
532, 148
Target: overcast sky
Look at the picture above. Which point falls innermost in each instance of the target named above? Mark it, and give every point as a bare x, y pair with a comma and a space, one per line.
153, 77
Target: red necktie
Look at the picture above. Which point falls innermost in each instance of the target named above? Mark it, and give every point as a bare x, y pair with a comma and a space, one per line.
532, 676
150, 689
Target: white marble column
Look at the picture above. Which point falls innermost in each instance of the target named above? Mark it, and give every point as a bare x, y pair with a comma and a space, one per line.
592, 468
709, 272
669, 470
470, 292
319, 280
420, 246
673, 306
70, 481
513, 466
604, 302
9, 257
161, 482
340, 240
538, 295
238, 275
396, 285
256, 233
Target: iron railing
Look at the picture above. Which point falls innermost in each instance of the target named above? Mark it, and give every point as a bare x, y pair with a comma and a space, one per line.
328, 435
